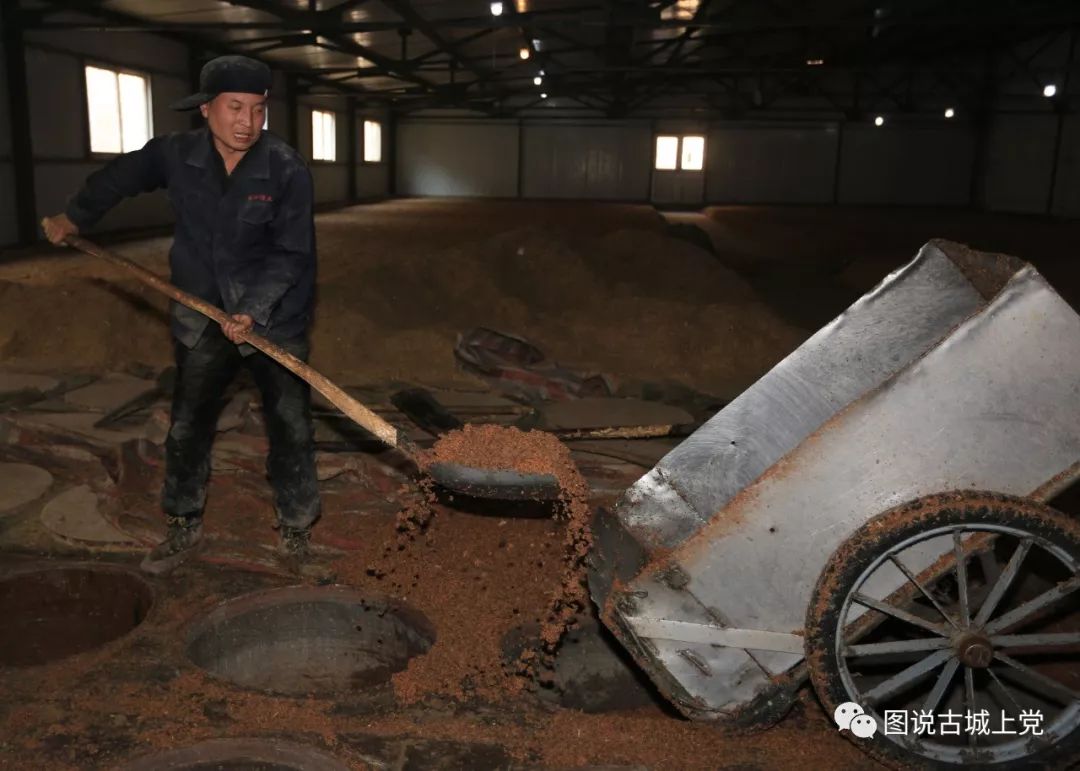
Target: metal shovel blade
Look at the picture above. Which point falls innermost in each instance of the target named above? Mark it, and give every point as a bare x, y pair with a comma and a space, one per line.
503, 485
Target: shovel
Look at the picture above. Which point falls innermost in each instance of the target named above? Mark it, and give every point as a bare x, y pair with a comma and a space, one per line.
467, 480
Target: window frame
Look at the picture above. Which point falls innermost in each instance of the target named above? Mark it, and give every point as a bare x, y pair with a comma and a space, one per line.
118, 69
363, 142
679, 152
334, 117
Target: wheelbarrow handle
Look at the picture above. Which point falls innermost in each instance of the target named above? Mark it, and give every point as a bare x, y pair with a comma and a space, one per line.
335, 395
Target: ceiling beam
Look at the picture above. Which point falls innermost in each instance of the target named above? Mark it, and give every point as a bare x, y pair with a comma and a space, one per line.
322, 24
408, 14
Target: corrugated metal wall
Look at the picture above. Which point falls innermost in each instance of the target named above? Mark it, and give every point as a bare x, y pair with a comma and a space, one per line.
457, 158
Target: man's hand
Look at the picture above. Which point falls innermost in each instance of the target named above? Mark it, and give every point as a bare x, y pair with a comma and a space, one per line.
235, 329
59, 227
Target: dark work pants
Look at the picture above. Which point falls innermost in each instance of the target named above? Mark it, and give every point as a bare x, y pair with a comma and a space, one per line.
202, 375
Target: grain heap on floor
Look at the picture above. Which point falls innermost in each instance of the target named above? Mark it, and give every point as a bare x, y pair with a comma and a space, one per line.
599, 288
467, 658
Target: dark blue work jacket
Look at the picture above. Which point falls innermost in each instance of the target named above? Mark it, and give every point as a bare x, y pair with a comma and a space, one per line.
244, 242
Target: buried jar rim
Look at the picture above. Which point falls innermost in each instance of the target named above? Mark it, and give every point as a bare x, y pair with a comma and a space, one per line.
308, 640
60, 581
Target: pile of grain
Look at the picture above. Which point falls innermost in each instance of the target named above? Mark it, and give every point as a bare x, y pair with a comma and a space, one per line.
467, 600
600, 289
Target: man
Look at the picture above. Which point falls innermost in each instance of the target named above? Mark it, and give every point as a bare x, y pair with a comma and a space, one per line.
244, 241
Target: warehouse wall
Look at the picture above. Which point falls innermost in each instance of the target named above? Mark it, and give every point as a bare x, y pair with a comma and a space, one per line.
8, 226
902, 163
1067, 186
906, 165
457, 158
1020, 158
332, 179
763, 163
586, 160
61, 145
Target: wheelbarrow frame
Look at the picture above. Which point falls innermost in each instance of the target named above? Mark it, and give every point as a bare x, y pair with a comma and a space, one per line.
959, 371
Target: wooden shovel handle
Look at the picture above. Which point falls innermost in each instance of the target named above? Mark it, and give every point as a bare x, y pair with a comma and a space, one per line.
335, 395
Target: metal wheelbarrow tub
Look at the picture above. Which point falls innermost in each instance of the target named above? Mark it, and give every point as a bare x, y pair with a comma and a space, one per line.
960, 371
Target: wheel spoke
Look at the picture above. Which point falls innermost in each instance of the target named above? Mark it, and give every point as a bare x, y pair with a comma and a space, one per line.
902, 646
942, 685
1005, 692
1050, 640
911, 577
907, 677
903, 615
1039, 682
1003, 583
969, 702
961, 577
1031, 607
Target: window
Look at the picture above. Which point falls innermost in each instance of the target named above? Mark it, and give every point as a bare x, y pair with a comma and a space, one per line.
667, 152
323, 136
693, 153
118, 105
372, 141
686, 153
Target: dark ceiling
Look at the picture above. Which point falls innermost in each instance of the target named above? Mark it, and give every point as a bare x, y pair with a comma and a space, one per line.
617, 57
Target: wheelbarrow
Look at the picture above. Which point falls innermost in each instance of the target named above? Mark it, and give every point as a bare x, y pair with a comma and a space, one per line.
872, 514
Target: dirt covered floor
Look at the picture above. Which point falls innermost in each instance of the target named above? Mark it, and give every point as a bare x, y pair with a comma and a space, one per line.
484, 577
707, 302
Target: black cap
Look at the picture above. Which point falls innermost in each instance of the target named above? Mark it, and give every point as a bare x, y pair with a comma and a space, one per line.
228, 74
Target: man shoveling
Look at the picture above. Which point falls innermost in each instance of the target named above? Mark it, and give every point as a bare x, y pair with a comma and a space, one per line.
245, 242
